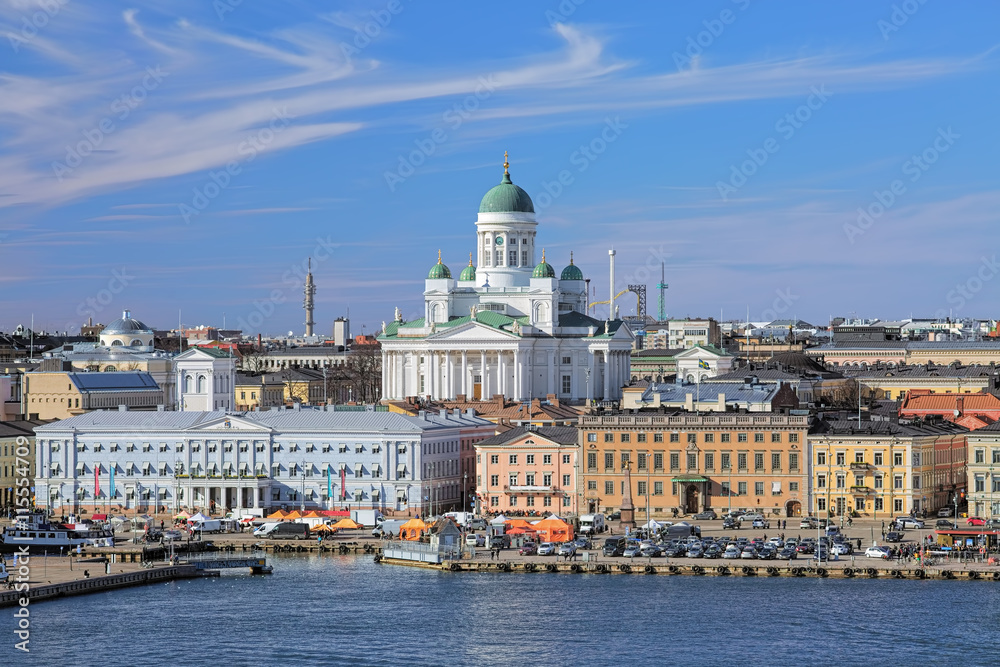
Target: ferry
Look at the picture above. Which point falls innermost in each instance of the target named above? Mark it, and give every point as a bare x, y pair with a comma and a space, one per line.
34, 531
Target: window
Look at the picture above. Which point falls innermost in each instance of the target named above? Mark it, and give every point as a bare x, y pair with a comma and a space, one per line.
725, 437
640, 461
512, 256
897, 482
547, 479
897, 505
566, 458
512, 479
709, 461
512, 459
609, 461
741, 437
626, 437
741, 461
793, 461
625, 458
658, 461
592, 485
657, 488
692, 460
609, 488
916, 458
641, 488
776, 437
494, 500
726, 489
775, 461
878, 504
758, 437
996, 456
640, 437
758, 488
609, 437
727, 463
793, 437
546, 459
820, 481
741, 488
758, 461
592, 460
821, 503
980, 456
675, 437
859, 456
877, 481
529, 479
524, 262
529, 459
709, 437
567, 384
897, 459
675, 461
841, 458
494, 458
841, 481
494, 480
567, 361
591, 437
793, 486
692, 438
859, 479
821, 458
566, 480
657, 437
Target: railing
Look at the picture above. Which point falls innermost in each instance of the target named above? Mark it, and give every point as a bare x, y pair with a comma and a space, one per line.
859, 465
860, 489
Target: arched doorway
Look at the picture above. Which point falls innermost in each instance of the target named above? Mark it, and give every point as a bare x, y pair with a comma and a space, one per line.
691, 499
793, 508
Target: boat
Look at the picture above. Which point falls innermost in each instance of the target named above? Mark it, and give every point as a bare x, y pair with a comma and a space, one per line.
39, 536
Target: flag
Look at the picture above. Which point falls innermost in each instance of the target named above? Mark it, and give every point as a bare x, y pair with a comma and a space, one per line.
97, 481
329, 482
111, 472
343, 483
702, 363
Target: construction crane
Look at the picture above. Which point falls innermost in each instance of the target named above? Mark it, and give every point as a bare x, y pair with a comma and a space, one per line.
661, 304
638, 290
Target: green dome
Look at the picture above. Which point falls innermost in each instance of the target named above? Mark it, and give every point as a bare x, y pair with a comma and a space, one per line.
506, 197
439, 270
571, 272
469, 272
544, 269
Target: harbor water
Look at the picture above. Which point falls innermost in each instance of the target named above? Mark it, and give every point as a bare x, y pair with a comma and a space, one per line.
347, 610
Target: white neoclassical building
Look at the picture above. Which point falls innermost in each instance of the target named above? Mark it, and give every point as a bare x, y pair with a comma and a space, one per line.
509, 326
206, 379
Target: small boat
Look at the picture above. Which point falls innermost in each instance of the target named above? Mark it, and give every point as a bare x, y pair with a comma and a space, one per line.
34, 532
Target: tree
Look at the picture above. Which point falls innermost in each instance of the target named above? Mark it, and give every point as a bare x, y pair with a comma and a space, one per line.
253, 360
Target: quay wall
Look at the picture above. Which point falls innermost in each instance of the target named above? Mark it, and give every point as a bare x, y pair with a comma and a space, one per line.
38, 593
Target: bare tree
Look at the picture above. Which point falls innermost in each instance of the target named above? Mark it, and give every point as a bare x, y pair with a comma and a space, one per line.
253, 360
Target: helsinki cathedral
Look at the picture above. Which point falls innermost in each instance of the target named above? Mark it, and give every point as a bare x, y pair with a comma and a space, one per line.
507, 325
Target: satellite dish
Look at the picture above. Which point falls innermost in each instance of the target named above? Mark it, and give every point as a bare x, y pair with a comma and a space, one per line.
291, 333
957, 413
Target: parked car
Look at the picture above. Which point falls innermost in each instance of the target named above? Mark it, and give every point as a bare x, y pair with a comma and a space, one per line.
713, 551
975, 521
675, 551
842, 549
732, 551
730, 523
631, 551
760, 523
750, 517
945, 511
529, 549
650, 551
894, 536
788, 553
567, 549
695, 550
748, 553
614, 546
546, 549
945, 523
821, 554
707, 515
475, 540
877, 552
477, 524
993, 523
910, 522
767, 553
583, 543
807, 522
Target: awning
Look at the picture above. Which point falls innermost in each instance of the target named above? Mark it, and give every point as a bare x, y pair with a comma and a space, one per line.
691, 478
99, 517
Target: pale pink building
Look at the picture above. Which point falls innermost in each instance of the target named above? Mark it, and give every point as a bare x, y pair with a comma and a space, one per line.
529, 469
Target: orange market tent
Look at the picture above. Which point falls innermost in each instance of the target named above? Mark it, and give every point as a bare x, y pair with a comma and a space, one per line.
521, 530
412, 530
312, 515
280, 514
293, 515
520, 523
347, 524
324, 528
554, 530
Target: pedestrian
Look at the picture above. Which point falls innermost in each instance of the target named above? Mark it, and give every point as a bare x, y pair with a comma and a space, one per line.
859, 542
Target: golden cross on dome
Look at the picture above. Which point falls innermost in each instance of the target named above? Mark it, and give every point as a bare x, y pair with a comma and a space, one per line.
439, 256
543, 255
506, 164
570, 256
470, 259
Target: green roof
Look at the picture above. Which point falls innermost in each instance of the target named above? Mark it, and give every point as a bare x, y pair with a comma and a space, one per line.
439, 271
487, 317
543, 270
468, 273
506, 198
571, 272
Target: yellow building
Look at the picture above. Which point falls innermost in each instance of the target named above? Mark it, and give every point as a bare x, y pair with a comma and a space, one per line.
692, 462
885, 469
258, 392
895, 382
60, 395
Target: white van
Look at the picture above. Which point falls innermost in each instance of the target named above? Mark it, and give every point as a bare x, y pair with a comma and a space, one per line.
265, 529
475, 540
591, 524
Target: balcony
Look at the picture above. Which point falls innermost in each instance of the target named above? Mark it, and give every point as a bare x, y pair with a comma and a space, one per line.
859, 465
861, 490
532, 488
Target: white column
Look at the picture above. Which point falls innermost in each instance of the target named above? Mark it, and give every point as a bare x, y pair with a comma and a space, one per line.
550, 387
483, 384
433, 383
464, 384
449, 374
385, 372
517, 375
415, 373
607, 376
501, 373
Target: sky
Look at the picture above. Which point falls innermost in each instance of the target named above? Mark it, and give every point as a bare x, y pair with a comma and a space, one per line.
779, 159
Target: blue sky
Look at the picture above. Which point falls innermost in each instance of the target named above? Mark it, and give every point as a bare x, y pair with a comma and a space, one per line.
191, 157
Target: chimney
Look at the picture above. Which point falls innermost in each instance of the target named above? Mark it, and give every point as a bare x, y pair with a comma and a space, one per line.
122, 408
160, 408
422, 414
960, 404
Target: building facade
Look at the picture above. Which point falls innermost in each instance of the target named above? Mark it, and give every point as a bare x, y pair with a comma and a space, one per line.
692, 462
60, 395
983, 476
255, 462
530, 470
508, 326
884, 468
17, 462
206, 379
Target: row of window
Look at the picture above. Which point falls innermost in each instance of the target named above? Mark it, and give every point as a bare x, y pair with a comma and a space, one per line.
692, 438
529, 479
529, 459
212, 447
840, 481
213, 470
642, 486
691, 459
878, 458
979, 455
529, 501
878, 504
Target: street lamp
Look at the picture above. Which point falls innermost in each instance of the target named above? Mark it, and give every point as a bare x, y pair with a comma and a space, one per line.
587, 370
465, 492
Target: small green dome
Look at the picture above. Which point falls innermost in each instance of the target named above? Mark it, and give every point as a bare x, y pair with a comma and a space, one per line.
469, 272
439, 270
544, 269
506, 197
571, 272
